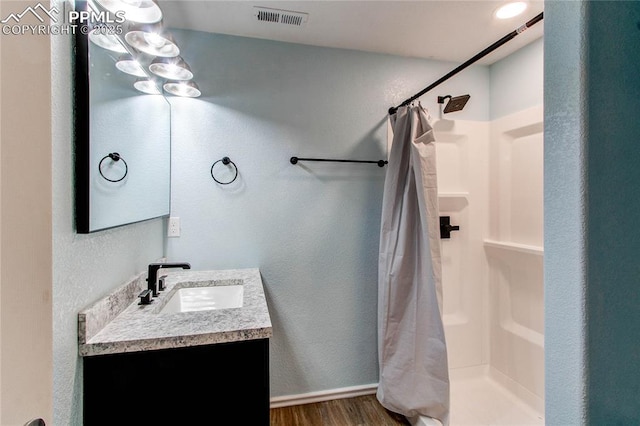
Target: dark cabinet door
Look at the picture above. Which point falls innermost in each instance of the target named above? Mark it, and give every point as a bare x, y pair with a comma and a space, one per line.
220, 384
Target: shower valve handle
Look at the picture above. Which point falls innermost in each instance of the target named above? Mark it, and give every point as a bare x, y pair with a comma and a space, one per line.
446, 227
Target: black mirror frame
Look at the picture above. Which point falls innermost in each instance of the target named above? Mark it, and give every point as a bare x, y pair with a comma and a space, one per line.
82, 136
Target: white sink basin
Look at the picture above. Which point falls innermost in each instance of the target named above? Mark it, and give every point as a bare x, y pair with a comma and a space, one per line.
190, 299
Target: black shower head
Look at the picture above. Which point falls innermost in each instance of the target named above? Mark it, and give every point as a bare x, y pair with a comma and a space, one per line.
455, 103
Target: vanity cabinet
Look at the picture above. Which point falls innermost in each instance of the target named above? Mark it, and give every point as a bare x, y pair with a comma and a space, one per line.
147, 367
216, 384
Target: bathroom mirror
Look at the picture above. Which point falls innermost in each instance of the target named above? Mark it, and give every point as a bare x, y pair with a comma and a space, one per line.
122, 143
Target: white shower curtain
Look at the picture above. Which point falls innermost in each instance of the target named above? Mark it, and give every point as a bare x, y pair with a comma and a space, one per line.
414, 377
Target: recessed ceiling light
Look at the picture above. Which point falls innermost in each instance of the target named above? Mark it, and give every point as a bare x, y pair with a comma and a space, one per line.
182, 88
511, 9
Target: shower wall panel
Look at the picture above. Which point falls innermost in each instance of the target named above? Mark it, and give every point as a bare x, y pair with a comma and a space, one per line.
462, 155
515, 253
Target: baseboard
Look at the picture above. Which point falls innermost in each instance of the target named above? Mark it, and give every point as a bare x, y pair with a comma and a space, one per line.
326, 395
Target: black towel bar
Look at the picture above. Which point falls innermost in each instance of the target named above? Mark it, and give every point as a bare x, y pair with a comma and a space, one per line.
380, 163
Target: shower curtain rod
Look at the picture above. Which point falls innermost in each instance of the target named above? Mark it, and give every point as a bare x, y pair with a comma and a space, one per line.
480, 55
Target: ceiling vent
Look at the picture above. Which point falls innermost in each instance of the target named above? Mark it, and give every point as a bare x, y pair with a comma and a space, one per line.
279, 16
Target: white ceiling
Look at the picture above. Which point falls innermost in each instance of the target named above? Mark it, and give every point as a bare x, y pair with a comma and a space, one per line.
449, 30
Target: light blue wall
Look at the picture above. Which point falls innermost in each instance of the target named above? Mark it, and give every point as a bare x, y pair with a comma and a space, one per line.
85, 267
565, 203
517, 80
312, 229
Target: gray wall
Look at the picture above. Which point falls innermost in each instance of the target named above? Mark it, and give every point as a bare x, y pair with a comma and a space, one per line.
85, 267
312, 229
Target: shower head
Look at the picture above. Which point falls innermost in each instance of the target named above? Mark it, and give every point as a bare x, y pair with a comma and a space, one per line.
455, 103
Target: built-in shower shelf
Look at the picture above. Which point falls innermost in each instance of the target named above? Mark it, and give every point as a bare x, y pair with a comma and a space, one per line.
453, 201
464, 195
521, 248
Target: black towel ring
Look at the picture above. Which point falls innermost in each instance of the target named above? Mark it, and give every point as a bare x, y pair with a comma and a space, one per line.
225, 161
114, 157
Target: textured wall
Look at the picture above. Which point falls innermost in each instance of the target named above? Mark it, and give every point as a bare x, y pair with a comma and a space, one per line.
312, 229
85, 267
565, 212
517, 80
613, 234
591, 202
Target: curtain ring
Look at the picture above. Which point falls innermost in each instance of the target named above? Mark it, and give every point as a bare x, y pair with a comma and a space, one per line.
114, 156
226, 161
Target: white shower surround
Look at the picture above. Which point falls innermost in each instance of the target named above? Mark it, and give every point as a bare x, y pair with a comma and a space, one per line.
490, 177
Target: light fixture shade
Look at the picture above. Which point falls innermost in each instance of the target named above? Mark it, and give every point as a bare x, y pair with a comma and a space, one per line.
140, 11
187, 89
147, 86
511, 9
171, 68
153, 41
107, 41
127, 64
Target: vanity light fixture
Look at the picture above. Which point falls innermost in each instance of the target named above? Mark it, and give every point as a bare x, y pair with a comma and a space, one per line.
153, 40
147, 86
127, 64
140, 11
147, 36
511, 9
107, 41
171, 68
102, 38
187, 89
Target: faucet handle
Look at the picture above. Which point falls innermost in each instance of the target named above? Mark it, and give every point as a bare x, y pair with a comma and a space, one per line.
161, 285
145, 297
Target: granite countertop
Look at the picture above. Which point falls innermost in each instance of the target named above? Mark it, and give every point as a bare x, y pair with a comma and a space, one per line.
117, 323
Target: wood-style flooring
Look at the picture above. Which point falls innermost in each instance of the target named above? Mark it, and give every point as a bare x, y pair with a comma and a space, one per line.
358, 411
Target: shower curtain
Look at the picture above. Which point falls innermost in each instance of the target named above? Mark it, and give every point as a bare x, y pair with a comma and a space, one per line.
414, 377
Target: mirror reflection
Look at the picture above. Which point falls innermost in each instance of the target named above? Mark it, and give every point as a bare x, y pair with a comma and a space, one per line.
124, 67
134, 185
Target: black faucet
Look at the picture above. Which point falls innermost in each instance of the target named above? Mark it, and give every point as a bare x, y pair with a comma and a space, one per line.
152, 275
